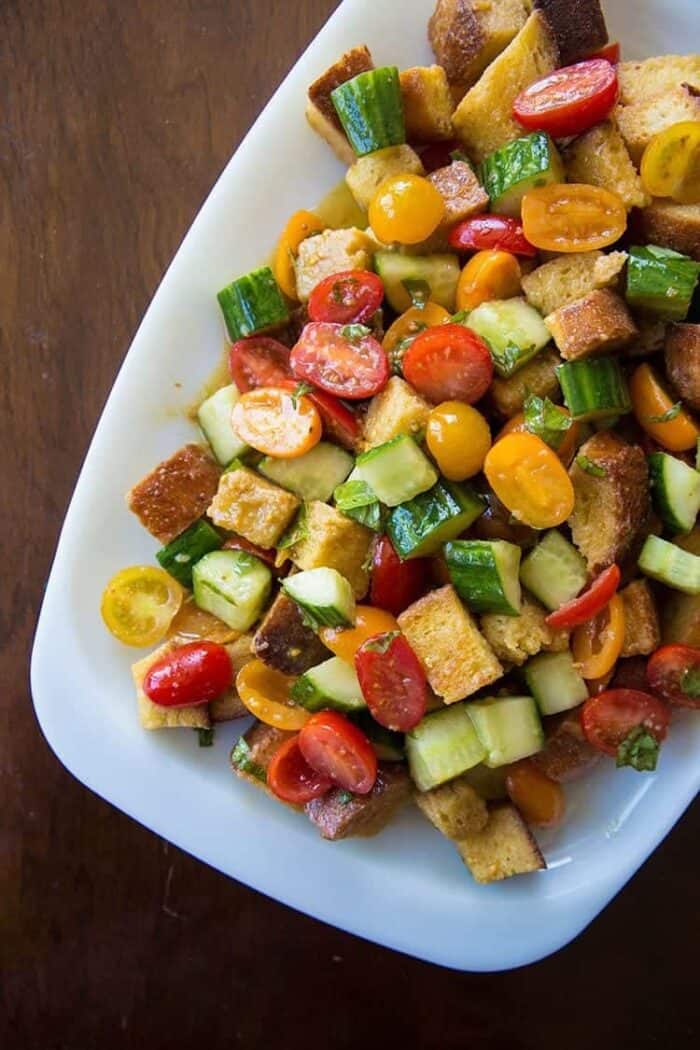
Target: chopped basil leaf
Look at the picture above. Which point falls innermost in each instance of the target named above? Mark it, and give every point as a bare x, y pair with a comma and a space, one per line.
668, 415
355, 332
508, 359
357, 501
296, 532
206, 737
640, 750
235, 464
418, 290
594, 469
690, 682
396, 354
299, 391
244, 563
460, 317
459, 154
240, 759
344, 797
381, 642
545, 420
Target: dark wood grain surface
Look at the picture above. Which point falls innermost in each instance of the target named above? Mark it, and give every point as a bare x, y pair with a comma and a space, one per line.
116, 117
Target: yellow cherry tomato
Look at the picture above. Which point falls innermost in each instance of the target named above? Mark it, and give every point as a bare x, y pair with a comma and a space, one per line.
530, 480
345, 641
458, 438
192, 623
597, 643
651, 402
570, 438
302, 224
671, 163
139, 603
572, 217
413, 321
488, 275
266, 694
405, 208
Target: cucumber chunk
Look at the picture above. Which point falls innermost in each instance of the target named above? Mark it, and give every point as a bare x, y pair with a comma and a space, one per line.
522, 165
669, 564
675, 489
312, 476
370, 109
555, 683
422, 525
661, 281
330, 684
554, 571
513, 331
180, 555
485, 574
252, 303
440, 273
509, 728
324, 596
442, 746
233, 585
396, 471
214, 418
594, 388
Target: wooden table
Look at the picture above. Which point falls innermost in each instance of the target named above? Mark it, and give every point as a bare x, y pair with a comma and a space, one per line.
116, 119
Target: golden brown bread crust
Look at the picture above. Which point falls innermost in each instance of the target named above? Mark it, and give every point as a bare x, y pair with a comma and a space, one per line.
427, 103
460, 190
336, 817
456, 809
682, 354
578, 26
566, 754
596, 324
283, 640
174, 495
538, 376
355, 61
455, 36
672, 225
642, 630
504, 847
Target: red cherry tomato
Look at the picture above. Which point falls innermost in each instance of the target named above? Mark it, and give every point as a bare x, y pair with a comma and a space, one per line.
392, 680
588, 604
238, 543
629, 673
611, 53
191, 674
339, 421
290, 776
337, 749
607, 719
350, 297
258, 361
483, 232
449, 363
339, 361
569, 100
673, 672
437, 154
395, 583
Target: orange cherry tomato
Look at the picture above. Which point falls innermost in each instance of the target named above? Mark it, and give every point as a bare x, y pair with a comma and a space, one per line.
405, 208
277, 422
266, 694
345, 641
530, 480
413, 321
597, 643
570, 438
651, 402
572, 217
671, 163
458, 438
488, 275
302, 224
539, 798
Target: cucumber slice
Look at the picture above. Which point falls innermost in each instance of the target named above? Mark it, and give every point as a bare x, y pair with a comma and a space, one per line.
330, 684
669, 564
485, 574
440, 273
513, 330
594, 388
509, 172
252, 303
180, 555
422, 526
554, 571
555, 683
661, 281
312, 476
324, 596
214, 417
232, 585
370, 109
442, 746
396, 471
509, 728
675, 488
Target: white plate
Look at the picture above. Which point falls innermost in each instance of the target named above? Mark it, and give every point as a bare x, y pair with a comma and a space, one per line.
406, 889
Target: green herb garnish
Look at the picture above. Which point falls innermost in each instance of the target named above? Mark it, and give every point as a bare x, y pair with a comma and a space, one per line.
381, 642
594, 469
357, 500
668, 415
545, 420
690, 682
241, 760
354, 332
640, 750
299, 391
344, 797
418, 290
206, 737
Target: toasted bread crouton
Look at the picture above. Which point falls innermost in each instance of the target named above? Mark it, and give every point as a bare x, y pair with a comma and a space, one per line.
483, 120
578, 27
461, 191
252, 506
338, 817
597, 324
504, 847
174, 495
283, 640
365, 175
609, 511
682, 354
320, 111
514, 639
538, 376
192, 623
397, 409
330, 252
680, 620
566, 754
672, 225
489, 784
454, 808
650, 338
599, 157
427, 103
642, 629
229, 705
640, 121
651, 77
253, 752
155, 716
336, 542
457, 659
570, 277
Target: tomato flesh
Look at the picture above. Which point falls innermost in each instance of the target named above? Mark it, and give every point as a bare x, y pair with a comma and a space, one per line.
349, 297
673, 672
569, 100
291, 777
491, 232
585, 607
449, 363
191, 674
337, 749
597, 643
539, 798
339, 422
275, 421
572, 217
345, 641
607, 719
395, 584
266, 693
529, 479
139, 604
341, 362
392, 680
257, 361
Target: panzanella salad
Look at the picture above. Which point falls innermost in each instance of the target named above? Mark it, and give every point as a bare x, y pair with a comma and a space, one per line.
440, 536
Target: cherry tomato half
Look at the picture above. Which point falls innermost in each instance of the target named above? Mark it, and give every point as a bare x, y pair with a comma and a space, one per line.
350, 297
392, 681
277, 422
530, 480
396, 584
539, 798
139, 603
609, 718
345, 641
258, 361
301, 225
651, 402
266, 693
671, 163
611, 53
291, 777
340, 361
337, 749
583, 608
569, 100
339, 422
673, 672
191, 674
491, 232
598, 642
449, 363
572, 217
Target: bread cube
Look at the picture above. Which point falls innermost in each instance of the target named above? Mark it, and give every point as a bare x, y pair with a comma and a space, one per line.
336, 542
655, 76
368, 172
538, 376
397, 409
672, 225
253, 753
682, 353
597, 324
642, 628
640, 121
330, 252
454, 808
461, 191
599, 157
578, 26
229, 705
283, 640
253, 507
154, 716
338, 817
566, 754
504, 847
320, 111
514, 639
570, 277
427, 103
174, 495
